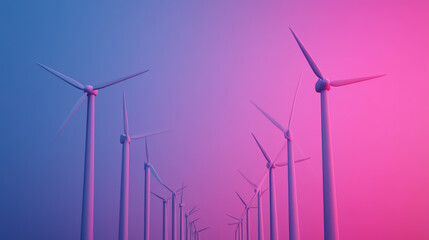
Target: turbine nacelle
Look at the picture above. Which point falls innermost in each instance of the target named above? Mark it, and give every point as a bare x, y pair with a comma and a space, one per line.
288, 135
125, 139
90, 90
270, 165
323, 85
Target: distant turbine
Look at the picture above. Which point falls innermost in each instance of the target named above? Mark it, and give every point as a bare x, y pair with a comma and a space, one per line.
294, 233
187, 215
173, 210
246, 208
240, 226
329, 194
148, 170
125, 174
181, 205
260, 216
197, 232
87, 222
192, 223
164, 215
237, 232
273, 203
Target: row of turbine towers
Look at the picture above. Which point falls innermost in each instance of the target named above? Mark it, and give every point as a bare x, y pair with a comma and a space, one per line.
87, 216
330, 215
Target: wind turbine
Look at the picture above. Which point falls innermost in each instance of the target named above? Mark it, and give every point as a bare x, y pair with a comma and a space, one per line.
294, 233
260, 216
148, 170
197, 232
164, 215
273, 203
323, 85
173, 210
192, 223
246, 208
181, 205
87, 222
187, 215
240, 226
125, 140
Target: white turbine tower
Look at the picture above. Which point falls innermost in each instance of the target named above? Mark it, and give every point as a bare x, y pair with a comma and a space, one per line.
246, 209
148, 171
125, 140
272, 186
87, 222
260, 215
197, 232
181, 205
164, 215
187, 215
323, 85
294, 233
240, 226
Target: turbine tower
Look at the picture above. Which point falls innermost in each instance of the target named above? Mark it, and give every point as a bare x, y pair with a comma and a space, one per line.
148, 171
260, 215
181, 205
240, 226
294, 233
323, 85
125, 140
164, 215
246, 209
273, 204
187, 215
87, 221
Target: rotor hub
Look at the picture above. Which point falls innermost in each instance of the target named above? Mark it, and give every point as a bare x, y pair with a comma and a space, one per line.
90, 90
125, 139
288, 135
270, 165
323, 85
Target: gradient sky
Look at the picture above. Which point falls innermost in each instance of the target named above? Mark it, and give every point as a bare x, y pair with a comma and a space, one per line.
207, 60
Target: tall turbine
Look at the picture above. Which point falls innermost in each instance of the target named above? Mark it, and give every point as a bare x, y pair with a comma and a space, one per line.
148, 171
246, 209
125, 140
273, 203
240, 226
87, 221
323, 85
187, 215
260, 215
181, 205
294, 233
198, 232
164, 215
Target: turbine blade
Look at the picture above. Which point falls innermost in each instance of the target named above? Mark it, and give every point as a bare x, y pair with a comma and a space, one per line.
278, 125
339, 83
147, 152
310, 60
181, 189
245, 205
302, 159
250, 182
67, 79
281, 164
264, 191
294, 100
155, 174
233, 217
203, 229
281, 150
156, 195
125, 117
262, 149
138, 136
181, 195
233, 223
72, 112
96, 87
